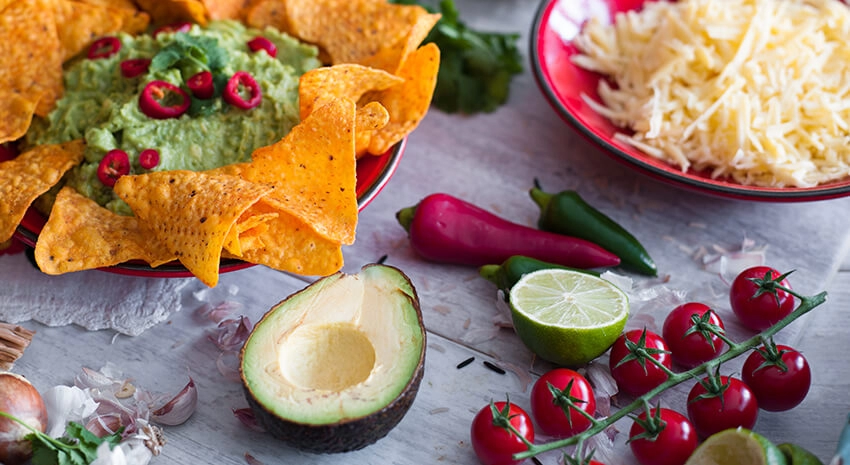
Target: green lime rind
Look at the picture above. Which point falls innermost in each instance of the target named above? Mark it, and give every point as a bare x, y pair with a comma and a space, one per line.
737, 446
566, 317
797, 455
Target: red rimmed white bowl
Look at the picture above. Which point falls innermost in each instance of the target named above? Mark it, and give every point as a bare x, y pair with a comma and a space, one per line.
556, 24
373, 173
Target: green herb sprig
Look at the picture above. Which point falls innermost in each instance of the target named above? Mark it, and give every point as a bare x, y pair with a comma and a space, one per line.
77, 447
476, 68
190, 55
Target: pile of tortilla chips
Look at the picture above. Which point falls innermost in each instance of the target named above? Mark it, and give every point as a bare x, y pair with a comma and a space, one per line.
291, 208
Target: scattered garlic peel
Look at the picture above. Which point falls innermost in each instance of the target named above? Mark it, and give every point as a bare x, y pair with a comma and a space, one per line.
228, 365
248, 419
14, 340
178, 409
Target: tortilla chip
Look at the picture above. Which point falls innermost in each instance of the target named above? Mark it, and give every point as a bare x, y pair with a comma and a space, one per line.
29, 175
351, 31
409, 102
317, 87
173, 11
267, 13
124, 4
247, 228
79, 23
370, 118
30, 65
292, 245
225, 9
190, 212
82, 235
314, 171
392, 58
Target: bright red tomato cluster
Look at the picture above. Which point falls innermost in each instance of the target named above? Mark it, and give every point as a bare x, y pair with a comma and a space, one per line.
551, 398
773, 378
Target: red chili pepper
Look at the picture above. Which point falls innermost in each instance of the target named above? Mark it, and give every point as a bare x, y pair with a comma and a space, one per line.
135, 67
104, 47
175, 27
446, 229
261, 43
201, 85
149, 158
112, 166
163, 100
242, 82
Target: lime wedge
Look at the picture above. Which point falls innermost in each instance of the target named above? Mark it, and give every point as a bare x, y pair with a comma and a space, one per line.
567, 317
737, 446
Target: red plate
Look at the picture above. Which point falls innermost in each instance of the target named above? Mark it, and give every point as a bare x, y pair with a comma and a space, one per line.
373, 173
556, 24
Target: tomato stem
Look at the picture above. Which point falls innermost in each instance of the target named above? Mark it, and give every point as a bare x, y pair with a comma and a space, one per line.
807, 303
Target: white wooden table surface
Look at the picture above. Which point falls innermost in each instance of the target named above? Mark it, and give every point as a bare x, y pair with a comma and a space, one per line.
490, 160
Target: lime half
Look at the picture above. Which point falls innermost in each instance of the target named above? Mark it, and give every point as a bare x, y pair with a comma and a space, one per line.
738, 445
567, 317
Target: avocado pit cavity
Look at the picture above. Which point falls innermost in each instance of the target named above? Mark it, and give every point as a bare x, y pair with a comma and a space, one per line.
328, 357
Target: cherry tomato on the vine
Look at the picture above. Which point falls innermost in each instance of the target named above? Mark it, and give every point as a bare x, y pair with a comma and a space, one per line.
495, 445
549, 408
781, 385
634, 376
689, 350
734, 406
674, 443
755, 299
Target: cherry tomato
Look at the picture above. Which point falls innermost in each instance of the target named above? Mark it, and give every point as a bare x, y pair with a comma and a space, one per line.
495, 445
632, 376
735, 406
756, 301
673, 445
689, 350
777, 387
550, 414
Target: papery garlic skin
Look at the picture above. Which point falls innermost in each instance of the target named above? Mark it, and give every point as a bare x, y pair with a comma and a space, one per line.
65, 404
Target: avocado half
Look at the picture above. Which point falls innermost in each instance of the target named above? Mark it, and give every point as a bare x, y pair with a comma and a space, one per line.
335, 366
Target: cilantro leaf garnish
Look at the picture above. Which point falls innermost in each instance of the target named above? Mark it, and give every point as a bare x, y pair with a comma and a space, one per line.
190, 54
476, 68
77, 447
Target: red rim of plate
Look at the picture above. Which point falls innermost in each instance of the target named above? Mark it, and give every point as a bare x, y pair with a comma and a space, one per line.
373, 173
555, 24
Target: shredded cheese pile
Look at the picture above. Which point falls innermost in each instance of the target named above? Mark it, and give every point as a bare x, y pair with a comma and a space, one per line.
753, 90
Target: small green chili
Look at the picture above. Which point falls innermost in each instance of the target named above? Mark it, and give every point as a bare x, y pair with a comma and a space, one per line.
567, 213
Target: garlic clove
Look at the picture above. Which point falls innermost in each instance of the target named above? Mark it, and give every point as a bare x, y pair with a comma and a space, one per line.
180, 408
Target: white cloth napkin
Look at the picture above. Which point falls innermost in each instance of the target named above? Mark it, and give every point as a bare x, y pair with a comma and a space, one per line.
94, 300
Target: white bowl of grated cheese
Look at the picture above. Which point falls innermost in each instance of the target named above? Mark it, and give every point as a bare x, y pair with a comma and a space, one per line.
747, 99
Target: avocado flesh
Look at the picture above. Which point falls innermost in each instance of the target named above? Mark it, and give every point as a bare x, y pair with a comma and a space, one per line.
335, 366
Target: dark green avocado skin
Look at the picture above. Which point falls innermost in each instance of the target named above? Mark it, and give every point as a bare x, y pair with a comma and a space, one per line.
356, 433
345, 436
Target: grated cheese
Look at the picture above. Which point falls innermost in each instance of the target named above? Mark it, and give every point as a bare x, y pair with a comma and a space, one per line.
753, 90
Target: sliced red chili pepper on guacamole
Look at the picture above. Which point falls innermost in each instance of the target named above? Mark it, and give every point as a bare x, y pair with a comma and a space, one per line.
159, 108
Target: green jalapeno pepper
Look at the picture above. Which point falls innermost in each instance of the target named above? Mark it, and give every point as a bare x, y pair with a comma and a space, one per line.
507, 274
567, 213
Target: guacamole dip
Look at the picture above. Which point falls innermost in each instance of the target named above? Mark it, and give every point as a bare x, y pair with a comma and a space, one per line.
195, 123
